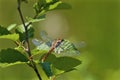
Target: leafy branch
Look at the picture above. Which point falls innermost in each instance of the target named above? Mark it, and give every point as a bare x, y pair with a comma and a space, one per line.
23, 54
32, 64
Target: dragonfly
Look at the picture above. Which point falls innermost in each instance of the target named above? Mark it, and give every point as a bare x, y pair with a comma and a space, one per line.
62, 47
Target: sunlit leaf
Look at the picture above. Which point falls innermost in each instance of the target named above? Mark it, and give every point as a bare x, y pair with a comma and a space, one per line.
38, 6
4, 65
10, 27
53, 6
13, 37
47, 1
64, 6
22, 35
21, 28
42, 6
20, 48
57, 72
35, 20
37, 52
11, 55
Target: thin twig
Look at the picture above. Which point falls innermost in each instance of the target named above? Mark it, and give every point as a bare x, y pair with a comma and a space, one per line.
55, 44
31, 22
46, 55
33, 65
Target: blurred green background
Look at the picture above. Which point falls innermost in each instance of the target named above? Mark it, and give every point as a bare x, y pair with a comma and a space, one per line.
96, 22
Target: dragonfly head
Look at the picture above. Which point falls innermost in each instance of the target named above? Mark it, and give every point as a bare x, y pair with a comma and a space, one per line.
58, 42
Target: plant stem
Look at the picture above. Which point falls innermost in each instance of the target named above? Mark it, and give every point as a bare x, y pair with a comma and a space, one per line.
27, 41
54, 45
46, 55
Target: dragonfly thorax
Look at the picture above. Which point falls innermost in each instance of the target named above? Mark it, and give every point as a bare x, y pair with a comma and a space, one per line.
57, 42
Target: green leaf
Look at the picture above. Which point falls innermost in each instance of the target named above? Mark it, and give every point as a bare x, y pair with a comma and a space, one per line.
21, 33
47, 1
42, 6
3, 31
35, 20
64, 6
20, 48
56, 71
58, 66
30, 32
10, 27
13, 37
11, 56
46, 66
21, 28
37, 52
54, 5
38, 6
51, 58
4, 65
41, 17
66, 63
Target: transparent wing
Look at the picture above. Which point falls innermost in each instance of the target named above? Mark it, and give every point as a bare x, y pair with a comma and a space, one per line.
40, 45
66, 48
81, 44
46, 39
44, 36
70, 53
36, 42
43, 47
63, 48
